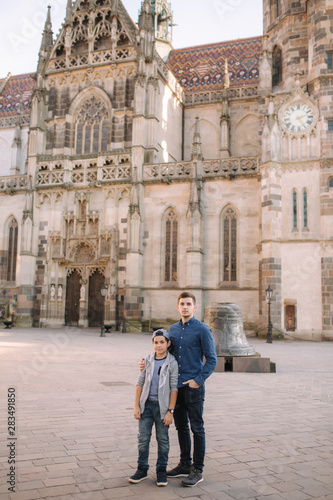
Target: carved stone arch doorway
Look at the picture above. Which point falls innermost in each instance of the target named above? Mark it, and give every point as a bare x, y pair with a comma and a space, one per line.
84, 301
95, 299
72, 308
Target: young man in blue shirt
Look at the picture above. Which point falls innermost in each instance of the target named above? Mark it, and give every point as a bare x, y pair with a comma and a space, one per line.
192, 341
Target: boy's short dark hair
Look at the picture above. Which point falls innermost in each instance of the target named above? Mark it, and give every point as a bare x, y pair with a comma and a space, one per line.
187, 295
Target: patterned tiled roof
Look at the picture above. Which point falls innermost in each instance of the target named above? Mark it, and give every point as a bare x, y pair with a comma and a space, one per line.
17, 89
202, 68
196, 69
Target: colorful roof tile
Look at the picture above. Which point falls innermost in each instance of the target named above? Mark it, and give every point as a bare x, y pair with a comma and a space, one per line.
17, 89
201, 68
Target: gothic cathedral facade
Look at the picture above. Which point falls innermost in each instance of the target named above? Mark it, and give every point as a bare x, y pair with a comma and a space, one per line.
133, 168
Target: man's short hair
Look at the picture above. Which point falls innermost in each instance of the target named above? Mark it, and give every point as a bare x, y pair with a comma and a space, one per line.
187, 295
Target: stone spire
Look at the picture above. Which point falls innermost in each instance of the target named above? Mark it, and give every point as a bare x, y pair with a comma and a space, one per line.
163, 26
225, 115
196, 144
17, 143
195, 194
163, 19
146, 29
226, 79
265, 69
68, 13
195, 197
47, 40
146, 19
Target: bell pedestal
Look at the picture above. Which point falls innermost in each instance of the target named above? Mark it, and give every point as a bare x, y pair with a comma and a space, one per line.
233, 351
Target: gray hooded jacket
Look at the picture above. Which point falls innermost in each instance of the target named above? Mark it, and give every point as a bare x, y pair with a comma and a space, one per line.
168, 381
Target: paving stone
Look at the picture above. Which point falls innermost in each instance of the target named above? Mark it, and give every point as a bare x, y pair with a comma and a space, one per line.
221, 495
296, 495
241, 493
284, 487
30, 485
59, 481
58, 490
26, 495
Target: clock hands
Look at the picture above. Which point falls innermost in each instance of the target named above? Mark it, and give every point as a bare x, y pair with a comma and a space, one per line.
299, 119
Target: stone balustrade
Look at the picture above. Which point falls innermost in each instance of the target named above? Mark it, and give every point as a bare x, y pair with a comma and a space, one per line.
97, 57
222, 167
231, 166
12, 183
247, 91
88, 173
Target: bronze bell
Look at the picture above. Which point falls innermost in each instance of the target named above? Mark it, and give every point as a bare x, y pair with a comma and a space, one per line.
225, 321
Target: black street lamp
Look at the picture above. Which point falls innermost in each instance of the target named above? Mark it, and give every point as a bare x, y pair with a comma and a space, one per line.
269, 293
104, 290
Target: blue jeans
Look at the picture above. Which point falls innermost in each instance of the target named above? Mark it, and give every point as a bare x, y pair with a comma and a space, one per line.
150, 416
189, 409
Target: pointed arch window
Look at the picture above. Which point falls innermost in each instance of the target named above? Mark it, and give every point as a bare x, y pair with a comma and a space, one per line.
93, 127
295, 214
276, 65
305, 209
12, 250
229, 245
170, 247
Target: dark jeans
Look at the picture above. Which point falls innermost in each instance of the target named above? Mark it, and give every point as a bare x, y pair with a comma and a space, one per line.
189, 409
150, 416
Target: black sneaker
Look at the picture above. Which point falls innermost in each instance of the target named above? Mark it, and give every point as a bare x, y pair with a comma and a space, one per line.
161, 479
193, 479
140, 475
181, 470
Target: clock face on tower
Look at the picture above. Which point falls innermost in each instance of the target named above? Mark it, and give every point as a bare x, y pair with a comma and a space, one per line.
298, 117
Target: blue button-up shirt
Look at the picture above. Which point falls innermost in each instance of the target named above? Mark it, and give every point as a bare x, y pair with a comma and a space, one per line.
192, 342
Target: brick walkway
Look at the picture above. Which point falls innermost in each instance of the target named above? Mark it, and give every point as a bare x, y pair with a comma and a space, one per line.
269, 436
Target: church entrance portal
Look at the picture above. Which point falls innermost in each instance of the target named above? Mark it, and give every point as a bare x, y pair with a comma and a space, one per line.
95, 300
72, 314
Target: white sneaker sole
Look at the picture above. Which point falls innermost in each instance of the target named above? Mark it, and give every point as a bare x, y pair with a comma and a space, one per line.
135, 481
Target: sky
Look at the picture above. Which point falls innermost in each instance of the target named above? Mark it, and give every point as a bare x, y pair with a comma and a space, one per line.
197, 22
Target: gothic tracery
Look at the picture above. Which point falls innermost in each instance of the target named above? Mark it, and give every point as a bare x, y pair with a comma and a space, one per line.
92, 127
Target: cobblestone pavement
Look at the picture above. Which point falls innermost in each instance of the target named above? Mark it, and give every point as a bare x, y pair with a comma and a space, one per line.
269, 436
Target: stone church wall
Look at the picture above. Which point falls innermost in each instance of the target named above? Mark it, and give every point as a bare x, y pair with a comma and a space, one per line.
6, 141
301, 265
167, 126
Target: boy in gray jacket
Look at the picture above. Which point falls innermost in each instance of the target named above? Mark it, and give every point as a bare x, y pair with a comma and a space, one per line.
155, 400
